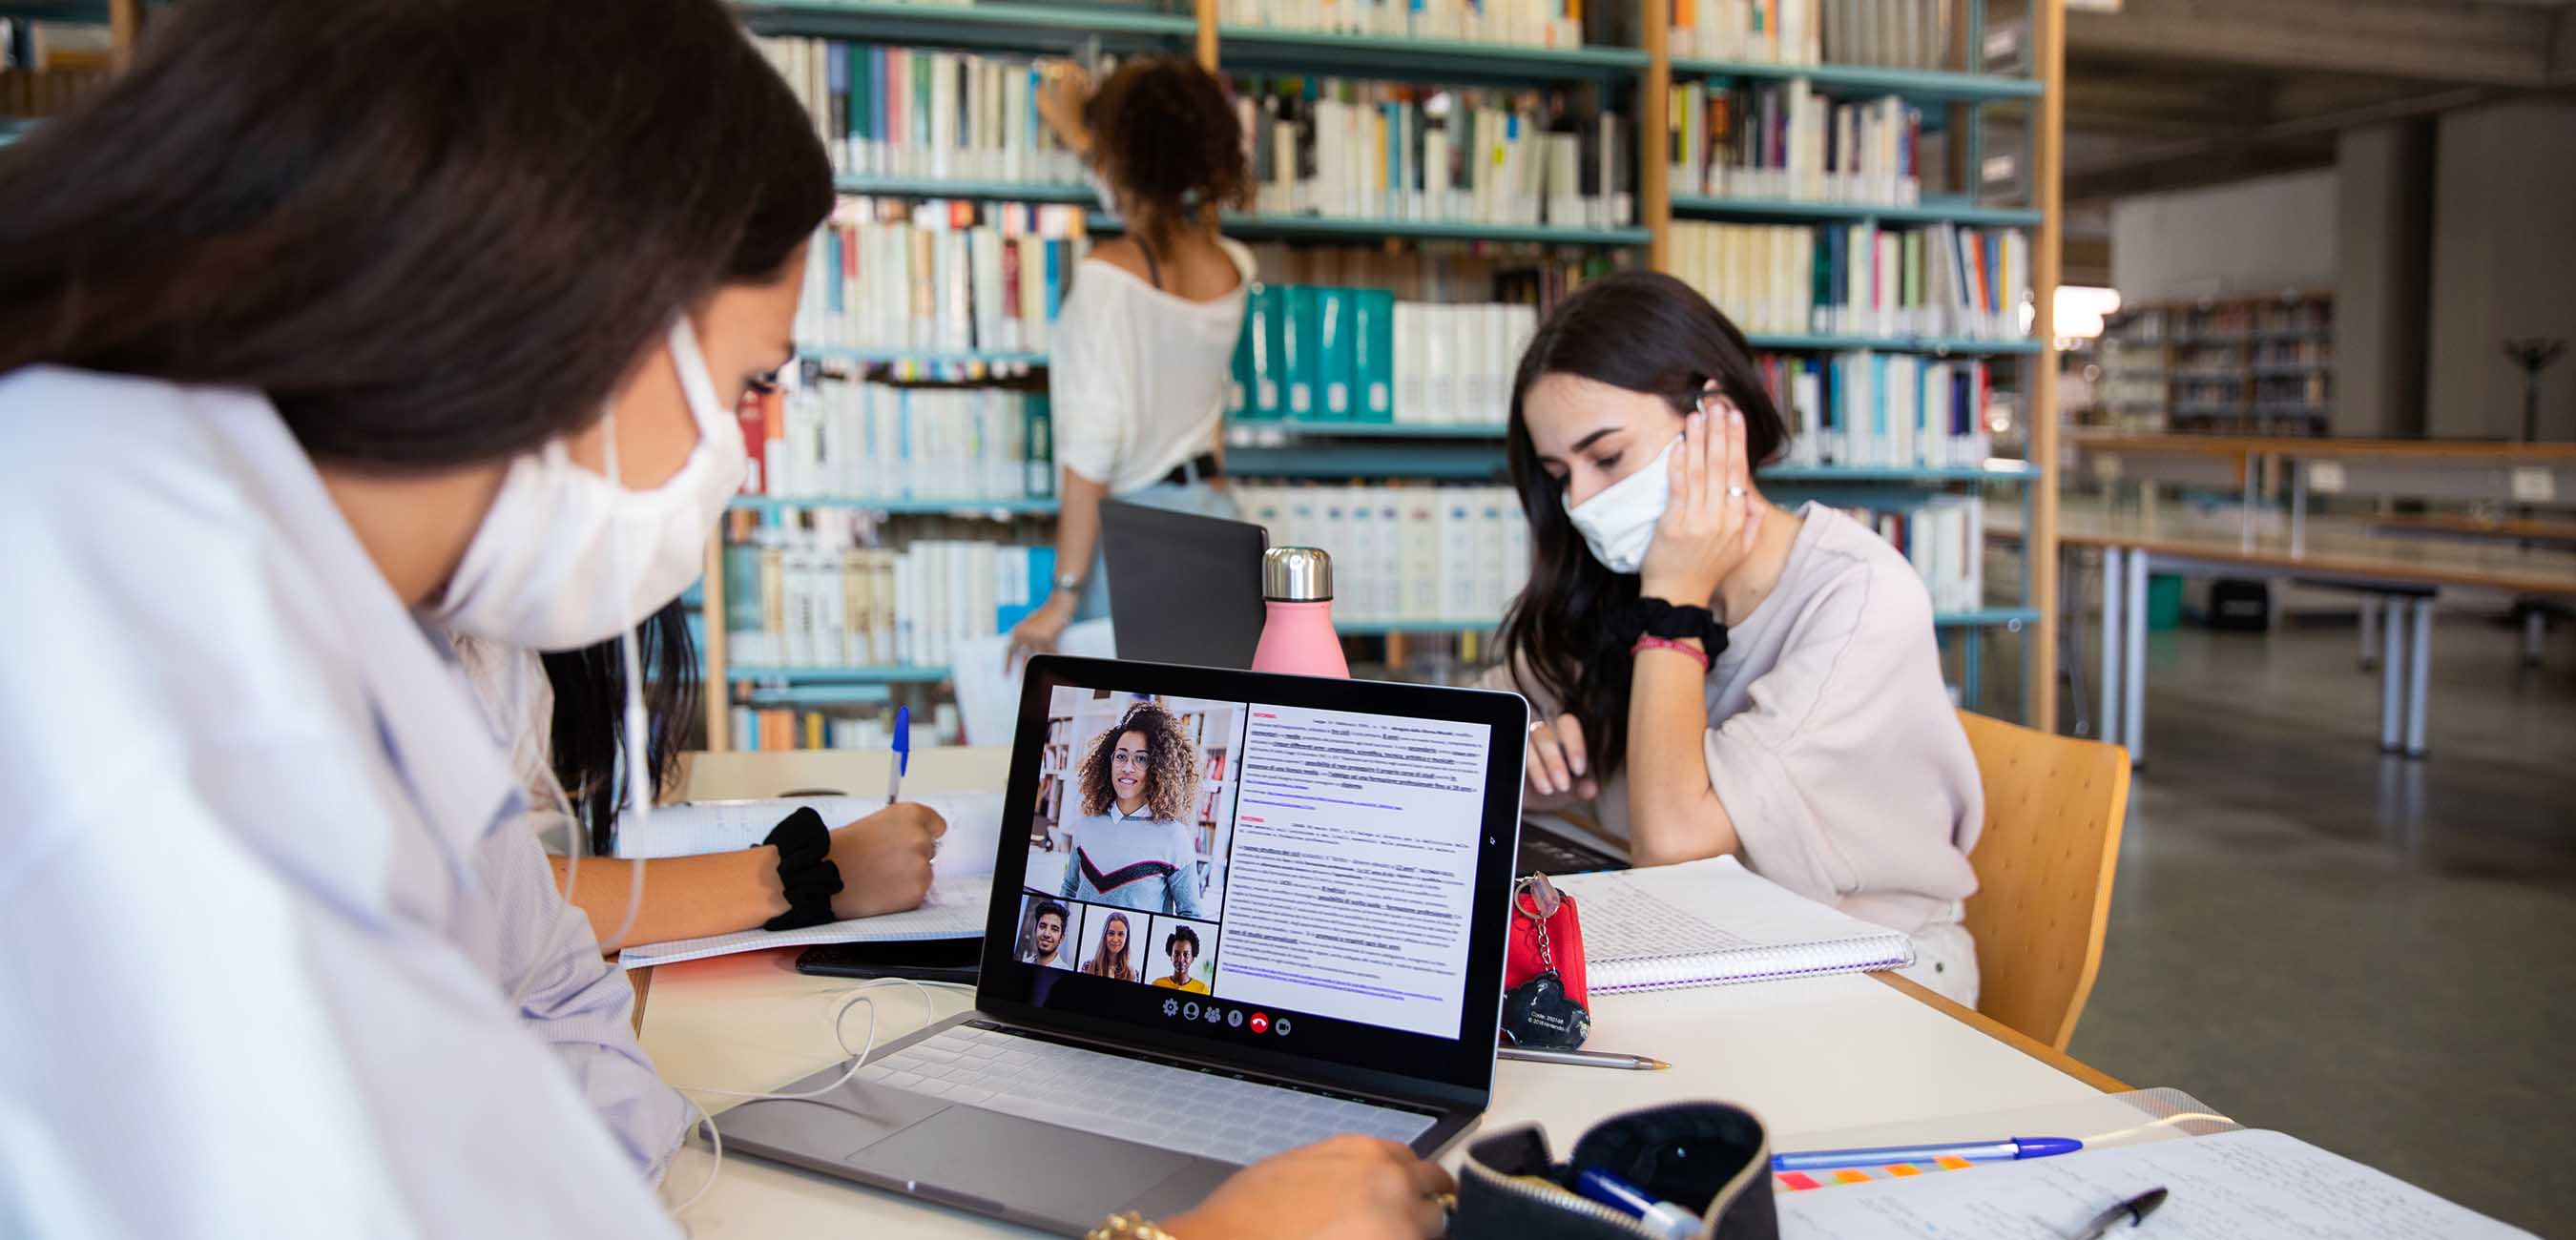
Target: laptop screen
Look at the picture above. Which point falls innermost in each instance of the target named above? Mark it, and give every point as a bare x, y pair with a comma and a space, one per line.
1286, 867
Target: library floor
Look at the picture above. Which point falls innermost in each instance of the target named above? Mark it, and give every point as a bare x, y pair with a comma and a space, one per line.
2376, 955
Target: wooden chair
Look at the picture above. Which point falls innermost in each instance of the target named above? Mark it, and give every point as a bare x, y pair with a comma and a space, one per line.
2054, 805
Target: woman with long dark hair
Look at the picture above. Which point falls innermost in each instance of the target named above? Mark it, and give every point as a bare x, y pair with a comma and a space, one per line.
1145, 348
1715, 674
564, 713
1135, 841
331, 325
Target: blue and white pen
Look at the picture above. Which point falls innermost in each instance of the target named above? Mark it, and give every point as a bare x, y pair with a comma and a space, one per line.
2006, 1150
1661, 1218
902, 752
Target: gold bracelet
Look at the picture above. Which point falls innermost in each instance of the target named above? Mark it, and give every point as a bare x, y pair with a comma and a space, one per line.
1127, 1226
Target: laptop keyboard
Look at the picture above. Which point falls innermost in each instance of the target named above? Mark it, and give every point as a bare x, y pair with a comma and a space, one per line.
1183, 1109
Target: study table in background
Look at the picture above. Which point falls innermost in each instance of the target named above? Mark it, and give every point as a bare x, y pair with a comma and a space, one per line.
1810, 1056
2404, 573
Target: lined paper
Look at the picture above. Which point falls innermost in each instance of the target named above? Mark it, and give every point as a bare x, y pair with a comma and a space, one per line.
1712, 922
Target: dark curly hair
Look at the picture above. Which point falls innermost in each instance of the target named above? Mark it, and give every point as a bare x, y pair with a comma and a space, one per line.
1164, 135
1171, 773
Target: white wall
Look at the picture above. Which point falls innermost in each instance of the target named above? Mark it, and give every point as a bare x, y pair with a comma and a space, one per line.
2504, 265
2260, 236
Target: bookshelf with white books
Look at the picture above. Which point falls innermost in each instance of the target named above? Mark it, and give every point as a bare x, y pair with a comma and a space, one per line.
1558, 142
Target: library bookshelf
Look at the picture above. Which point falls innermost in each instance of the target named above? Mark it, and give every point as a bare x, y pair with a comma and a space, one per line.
1645, 73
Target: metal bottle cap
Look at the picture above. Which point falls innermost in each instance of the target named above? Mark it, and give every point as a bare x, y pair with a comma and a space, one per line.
1296, 575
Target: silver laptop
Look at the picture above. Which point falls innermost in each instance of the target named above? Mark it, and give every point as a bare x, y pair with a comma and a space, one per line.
1232, 914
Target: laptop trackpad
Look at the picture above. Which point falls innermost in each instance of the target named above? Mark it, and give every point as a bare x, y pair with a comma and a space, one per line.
1020, 1163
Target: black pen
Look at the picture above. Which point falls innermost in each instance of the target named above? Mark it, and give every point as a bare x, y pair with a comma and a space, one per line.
2135, 1209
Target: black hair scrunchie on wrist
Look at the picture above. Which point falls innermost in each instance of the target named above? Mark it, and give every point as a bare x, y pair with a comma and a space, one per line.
805, 870
1653, 617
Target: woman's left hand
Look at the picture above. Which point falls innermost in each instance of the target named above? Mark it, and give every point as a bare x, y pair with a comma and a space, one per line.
1710, 522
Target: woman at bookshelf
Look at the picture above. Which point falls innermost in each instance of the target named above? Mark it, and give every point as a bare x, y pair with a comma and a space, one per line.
1110, 960
1145, 343
561, 713
1715, 674
1182, 947
1134, 844
332, 324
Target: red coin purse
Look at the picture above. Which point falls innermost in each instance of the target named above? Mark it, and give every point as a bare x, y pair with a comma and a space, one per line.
1546, 934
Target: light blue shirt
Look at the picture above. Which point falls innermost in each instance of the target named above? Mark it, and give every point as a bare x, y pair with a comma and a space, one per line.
1133, 861
278, 956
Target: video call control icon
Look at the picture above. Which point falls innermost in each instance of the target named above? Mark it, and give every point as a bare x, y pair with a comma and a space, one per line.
1261, 1022
1213, 1015
1281, 1025
1190, 1010
1234, 1018
1171, 1006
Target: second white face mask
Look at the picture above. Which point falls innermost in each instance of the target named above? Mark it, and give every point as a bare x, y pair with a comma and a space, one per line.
1618, 521
567, 557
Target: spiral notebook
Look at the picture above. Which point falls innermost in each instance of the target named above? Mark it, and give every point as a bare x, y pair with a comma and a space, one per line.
1713, 922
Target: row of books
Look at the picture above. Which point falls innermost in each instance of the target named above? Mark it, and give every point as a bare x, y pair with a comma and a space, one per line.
1404, 551
829, 437
802, 591
1880, 409
761, 728
1384, 150
1945, 538
1311, 353
1520, 23
939, 275
1930, 280
901, 111
1786, 141
1905, 34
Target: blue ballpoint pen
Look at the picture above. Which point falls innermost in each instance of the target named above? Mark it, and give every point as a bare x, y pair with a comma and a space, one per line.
1973, 1151
902, 752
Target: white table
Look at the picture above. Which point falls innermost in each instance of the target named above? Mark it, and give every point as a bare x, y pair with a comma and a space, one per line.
1808, 1055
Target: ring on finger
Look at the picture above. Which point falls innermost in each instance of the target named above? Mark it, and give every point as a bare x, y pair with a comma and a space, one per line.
1735, 492
1536, 724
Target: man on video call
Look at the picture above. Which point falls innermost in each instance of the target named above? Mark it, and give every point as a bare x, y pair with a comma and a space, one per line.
1046, 938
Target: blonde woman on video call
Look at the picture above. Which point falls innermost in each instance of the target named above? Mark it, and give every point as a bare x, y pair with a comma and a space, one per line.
1715, 675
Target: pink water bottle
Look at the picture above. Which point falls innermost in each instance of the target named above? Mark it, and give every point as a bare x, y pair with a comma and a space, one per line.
1298, 639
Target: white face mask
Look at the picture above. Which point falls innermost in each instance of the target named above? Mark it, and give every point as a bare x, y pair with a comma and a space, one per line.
567, 558
1618, 521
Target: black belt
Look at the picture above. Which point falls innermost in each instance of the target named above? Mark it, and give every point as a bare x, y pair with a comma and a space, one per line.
1205, 463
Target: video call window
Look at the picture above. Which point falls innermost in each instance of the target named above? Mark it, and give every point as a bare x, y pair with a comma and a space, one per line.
1136, 802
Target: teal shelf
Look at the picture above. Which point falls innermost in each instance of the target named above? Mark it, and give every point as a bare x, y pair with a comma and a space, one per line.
1011, 27
1453, 462
880, 674
1988, 618
1351, 228
819, 695
998, 509
920, 357
1918, 84
1961, 345
1372, 430
1404, 56
951, 187
1992, 471
1783, 210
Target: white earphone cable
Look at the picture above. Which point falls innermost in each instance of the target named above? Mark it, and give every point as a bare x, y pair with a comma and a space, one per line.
858, 1059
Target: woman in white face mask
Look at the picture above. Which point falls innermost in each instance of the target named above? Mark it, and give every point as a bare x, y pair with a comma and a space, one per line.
1715, 674
335, 327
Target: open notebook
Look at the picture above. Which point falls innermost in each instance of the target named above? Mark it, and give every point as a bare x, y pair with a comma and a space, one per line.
961, 875
1708, 923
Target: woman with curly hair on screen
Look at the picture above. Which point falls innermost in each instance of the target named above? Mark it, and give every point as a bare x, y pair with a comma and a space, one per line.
1134, 845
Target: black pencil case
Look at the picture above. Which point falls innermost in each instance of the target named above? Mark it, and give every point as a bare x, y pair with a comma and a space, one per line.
1703, 1156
